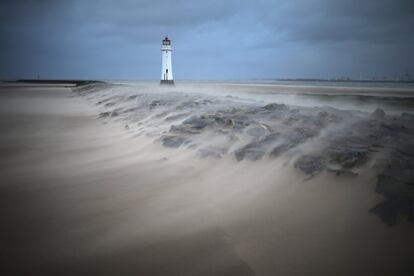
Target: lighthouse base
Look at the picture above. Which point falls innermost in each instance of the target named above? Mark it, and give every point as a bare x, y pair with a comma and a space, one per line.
167, 82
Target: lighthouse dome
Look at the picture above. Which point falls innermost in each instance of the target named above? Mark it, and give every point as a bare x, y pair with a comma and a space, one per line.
166, 41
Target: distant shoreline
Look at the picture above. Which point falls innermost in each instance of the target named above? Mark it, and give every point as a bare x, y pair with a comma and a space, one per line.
63, 83
348, 80
85, 82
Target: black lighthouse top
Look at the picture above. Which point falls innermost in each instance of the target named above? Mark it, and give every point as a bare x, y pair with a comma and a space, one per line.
166, 41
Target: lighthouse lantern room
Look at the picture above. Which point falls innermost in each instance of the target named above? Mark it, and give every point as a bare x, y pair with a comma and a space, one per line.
166, 72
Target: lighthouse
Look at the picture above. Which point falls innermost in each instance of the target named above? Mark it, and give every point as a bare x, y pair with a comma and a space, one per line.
166, 72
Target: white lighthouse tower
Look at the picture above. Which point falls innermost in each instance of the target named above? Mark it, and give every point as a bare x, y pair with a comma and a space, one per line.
166, 72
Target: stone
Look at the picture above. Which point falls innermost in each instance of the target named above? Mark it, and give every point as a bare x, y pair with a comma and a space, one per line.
378, 114
275, 106
392, 209
175, 117
323, 114
256, 132
407, 116
108, 114
196, 122
154, 103
251, 152
309, 164
173, 141
280, 149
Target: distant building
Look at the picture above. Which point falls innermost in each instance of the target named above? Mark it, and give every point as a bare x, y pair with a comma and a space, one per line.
166, 71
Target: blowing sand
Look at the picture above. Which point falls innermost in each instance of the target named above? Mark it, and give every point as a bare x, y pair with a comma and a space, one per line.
84, 196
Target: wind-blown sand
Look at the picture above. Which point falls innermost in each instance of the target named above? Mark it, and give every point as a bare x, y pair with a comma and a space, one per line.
83, 195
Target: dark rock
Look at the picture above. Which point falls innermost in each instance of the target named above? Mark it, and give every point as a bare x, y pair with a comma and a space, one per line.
211, 152
256, 150
350, 151
188, 105
393, 127
108, 114
104, 114
407, 116
395, 185
196, 122
230, 122
270, 138
256, 132
131, 109
173, 141
183, 129
391, 209
323, 114
378, 114
133, 97
300, 135
252, 151
290, 121
280, 149
305, 132
155, 103
275, 106
309, 164
176, 117
348, 158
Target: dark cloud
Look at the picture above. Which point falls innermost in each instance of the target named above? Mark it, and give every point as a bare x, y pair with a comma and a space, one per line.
212, 39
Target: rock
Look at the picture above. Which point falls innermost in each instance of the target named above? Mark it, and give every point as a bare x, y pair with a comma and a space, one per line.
305, 132
323, 114
211, 152
271, 138
351, 151
290, 121
275, 106
392, 209
378, 114
173, 141
348, 158
108, 114
407, 116
395, 186
256, 150
175, 117
392, 127
154, 103
183, 129
256, 132
309, 164
251, 152
280, 149
133, 97
300, 135
104, 114
196, 122
230, 122
132, 109
188, 105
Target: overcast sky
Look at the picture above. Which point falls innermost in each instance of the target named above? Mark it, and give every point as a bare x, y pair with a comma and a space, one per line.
213, 39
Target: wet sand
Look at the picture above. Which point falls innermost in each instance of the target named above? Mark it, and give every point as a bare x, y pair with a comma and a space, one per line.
84, 196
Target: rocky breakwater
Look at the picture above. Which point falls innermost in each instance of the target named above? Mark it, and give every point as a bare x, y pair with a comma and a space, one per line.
316, 139
313, 139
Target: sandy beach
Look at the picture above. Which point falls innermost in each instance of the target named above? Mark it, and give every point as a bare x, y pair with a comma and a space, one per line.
89, 190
